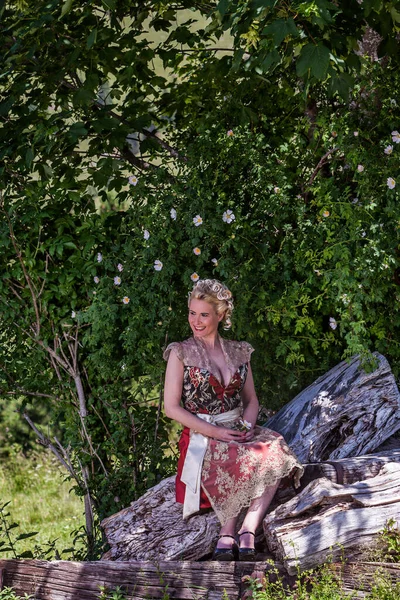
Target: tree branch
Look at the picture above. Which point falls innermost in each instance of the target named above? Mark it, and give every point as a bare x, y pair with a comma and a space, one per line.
44, 441
26, 275
321, 163
26, 393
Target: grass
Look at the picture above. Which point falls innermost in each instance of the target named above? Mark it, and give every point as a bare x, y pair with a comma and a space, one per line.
40, 500
320, 584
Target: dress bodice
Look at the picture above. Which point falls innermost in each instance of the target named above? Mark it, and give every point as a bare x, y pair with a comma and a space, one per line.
203, 393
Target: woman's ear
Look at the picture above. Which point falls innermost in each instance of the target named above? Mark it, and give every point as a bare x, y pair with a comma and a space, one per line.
220, 317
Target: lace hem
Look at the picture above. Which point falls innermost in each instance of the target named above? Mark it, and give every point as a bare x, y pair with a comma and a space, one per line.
233, 505
236, 473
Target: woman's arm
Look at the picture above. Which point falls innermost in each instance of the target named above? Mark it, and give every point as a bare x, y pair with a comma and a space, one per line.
250, 403
174, 410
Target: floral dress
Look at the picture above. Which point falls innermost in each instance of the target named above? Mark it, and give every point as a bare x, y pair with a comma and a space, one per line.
233, 473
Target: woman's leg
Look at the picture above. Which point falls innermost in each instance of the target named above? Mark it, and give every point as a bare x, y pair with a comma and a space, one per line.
227, 529
255, 515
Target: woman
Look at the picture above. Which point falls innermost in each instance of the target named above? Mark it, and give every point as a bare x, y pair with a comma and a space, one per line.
226, 461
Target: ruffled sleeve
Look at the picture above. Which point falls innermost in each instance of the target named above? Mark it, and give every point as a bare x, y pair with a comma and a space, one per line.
176, 347
247, 350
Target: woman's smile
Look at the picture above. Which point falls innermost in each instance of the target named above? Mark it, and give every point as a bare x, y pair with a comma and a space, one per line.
203, 319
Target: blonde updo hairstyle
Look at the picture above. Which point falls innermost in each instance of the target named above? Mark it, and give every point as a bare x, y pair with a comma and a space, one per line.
217, 294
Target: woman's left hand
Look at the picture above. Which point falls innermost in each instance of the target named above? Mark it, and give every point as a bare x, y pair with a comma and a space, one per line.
249, 435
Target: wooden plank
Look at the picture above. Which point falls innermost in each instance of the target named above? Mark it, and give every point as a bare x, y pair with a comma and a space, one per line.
362, 575
68, 580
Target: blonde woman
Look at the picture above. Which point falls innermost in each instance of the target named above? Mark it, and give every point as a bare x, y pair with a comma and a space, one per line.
226, 461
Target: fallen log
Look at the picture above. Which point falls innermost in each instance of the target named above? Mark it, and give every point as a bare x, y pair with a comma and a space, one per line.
346, 412
327, 520
152, 528
343, 413
362, 576
68, 580
349, 470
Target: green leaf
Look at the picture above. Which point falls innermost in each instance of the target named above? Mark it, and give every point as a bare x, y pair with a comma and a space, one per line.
26, 554
341, 85
395, 15
29, 158
66, 7
91, 38
237, 59
222, 7
108, 4
24, 536
271, 60
313, 59
280, 29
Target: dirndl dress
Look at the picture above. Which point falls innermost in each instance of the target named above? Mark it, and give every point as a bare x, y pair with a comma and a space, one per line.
232, 473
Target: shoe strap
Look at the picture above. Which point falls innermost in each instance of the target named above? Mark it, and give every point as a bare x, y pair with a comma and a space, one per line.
226, 535
244, 532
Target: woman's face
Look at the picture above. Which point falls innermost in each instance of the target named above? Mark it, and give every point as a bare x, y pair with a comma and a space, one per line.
203, 319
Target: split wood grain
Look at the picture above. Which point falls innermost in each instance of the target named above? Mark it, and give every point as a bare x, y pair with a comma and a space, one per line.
346, 412
327, 520
68, 580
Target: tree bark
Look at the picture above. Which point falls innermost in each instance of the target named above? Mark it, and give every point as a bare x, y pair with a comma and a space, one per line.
327, 520
153, 528
346, 412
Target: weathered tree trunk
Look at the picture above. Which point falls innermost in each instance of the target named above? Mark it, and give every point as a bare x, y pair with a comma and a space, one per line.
330, 520
349, 470
153, 528
346, 412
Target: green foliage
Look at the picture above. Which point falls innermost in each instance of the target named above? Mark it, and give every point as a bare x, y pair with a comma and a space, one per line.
10, 543
8, 593
114, 594
114, 114
48, 517
317, 38
390, 537
320, 584
15, 437
384, 589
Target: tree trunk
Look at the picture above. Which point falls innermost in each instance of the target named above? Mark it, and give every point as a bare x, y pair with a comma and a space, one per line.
346, 412
153, 528
342, 414
327, 520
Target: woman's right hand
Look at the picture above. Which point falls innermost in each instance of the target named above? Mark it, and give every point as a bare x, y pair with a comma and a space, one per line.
224, 434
